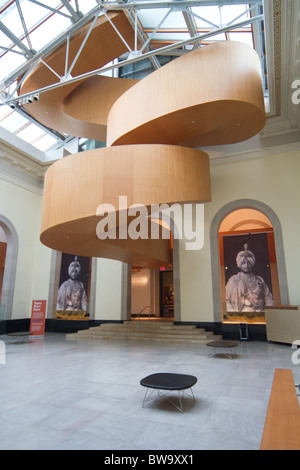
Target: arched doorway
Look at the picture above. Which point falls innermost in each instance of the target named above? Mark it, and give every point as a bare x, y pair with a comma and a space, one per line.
144, 293
161, 286
247, 232
10, 237
3, 246
152, 293
247, 218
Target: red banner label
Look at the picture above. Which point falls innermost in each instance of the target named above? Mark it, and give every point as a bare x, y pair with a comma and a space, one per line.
38, 315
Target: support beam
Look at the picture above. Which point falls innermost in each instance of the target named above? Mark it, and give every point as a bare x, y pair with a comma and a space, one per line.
75, 16
191, 25
141, 36
15, 40
24, 24
181, 4
104, 7
146, 55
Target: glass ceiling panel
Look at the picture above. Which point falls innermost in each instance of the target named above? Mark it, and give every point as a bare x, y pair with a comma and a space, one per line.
45, 20
205, 15
170, 37
33, 14
215, 38
244, 37
48, 31
14, 122
9, 62
30, 133
85, 6
4, 40
4, 111
150, 18
45, 143
230, 13
12, 20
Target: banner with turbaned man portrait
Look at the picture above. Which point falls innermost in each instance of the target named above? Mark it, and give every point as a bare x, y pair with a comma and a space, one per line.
72, 295
247, 273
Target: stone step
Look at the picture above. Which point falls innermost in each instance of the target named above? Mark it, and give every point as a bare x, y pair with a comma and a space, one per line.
159, 338
151, 329
143, 334
169, 333
150, 324
156, 331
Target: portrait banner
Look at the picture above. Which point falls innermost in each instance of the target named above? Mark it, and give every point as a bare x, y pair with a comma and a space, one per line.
247, 273
73, 287
2, 312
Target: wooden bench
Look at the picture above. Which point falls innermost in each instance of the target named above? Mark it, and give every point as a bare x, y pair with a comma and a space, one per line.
282, 425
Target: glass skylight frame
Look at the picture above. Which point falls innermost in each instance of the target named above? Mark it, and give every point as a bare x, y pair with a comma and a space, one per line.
175, 28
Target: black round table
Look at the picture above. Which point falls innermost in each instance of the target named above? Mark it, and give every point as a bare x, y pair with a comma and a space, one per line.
165, 383
19, 335
226, 346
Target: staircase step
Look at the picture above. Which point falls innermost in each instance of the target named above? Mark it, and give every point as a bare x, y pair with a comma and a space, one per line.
148, 335
151, 329
146, 331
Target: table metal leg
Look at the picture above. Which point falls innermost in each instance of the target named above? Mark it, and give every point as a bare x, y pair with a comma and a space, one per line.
227, 352
165, 393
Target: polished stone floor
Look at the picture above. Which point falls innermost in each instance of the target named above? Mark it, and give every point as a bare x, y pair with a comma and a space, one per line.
63, 394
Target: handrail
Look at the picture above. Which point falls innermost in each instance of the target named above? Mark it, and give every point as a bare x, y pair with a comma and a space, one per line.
139, 314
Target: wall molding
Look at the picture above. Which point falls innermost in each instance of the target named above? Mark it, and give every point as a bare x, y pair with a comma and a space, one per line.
286, 147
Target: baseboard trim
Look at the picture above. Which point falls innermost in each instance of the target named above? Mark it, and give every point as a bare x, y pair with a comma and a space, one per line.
230, 331
51, 325
255, 332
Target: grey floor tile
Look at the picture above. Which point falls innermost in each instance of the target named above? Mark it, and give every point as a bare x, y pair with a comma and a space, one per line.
57, 394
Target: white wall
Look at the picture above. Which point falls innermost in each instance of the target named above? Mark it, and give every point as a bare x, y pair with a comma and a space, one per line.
2, 236
41, 268
140, 291
108, 305
272, 179
22, 207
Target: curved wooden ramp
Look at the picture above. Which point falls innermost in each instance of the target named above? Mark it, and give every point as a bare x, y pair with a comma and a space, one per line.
79, 187
210, 96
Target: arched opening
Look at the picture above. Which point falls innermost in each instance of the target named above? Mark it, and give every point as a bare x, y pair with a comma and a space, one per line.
248, 266
60, 263
243, 218
3, 246
9, 255
144, 293
152, 293
161, 286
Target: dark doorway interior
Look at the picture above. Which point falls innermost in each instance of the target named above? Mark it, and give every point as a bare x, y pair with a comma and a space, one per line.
166, 290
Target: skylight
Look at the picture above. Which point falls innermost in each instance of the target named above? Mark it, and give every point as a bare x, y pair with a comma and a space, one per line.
31, 28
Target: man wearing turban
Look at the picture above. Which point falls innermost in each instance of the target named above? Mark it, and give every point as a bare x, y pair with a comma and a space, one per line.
246, 291
71, 294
